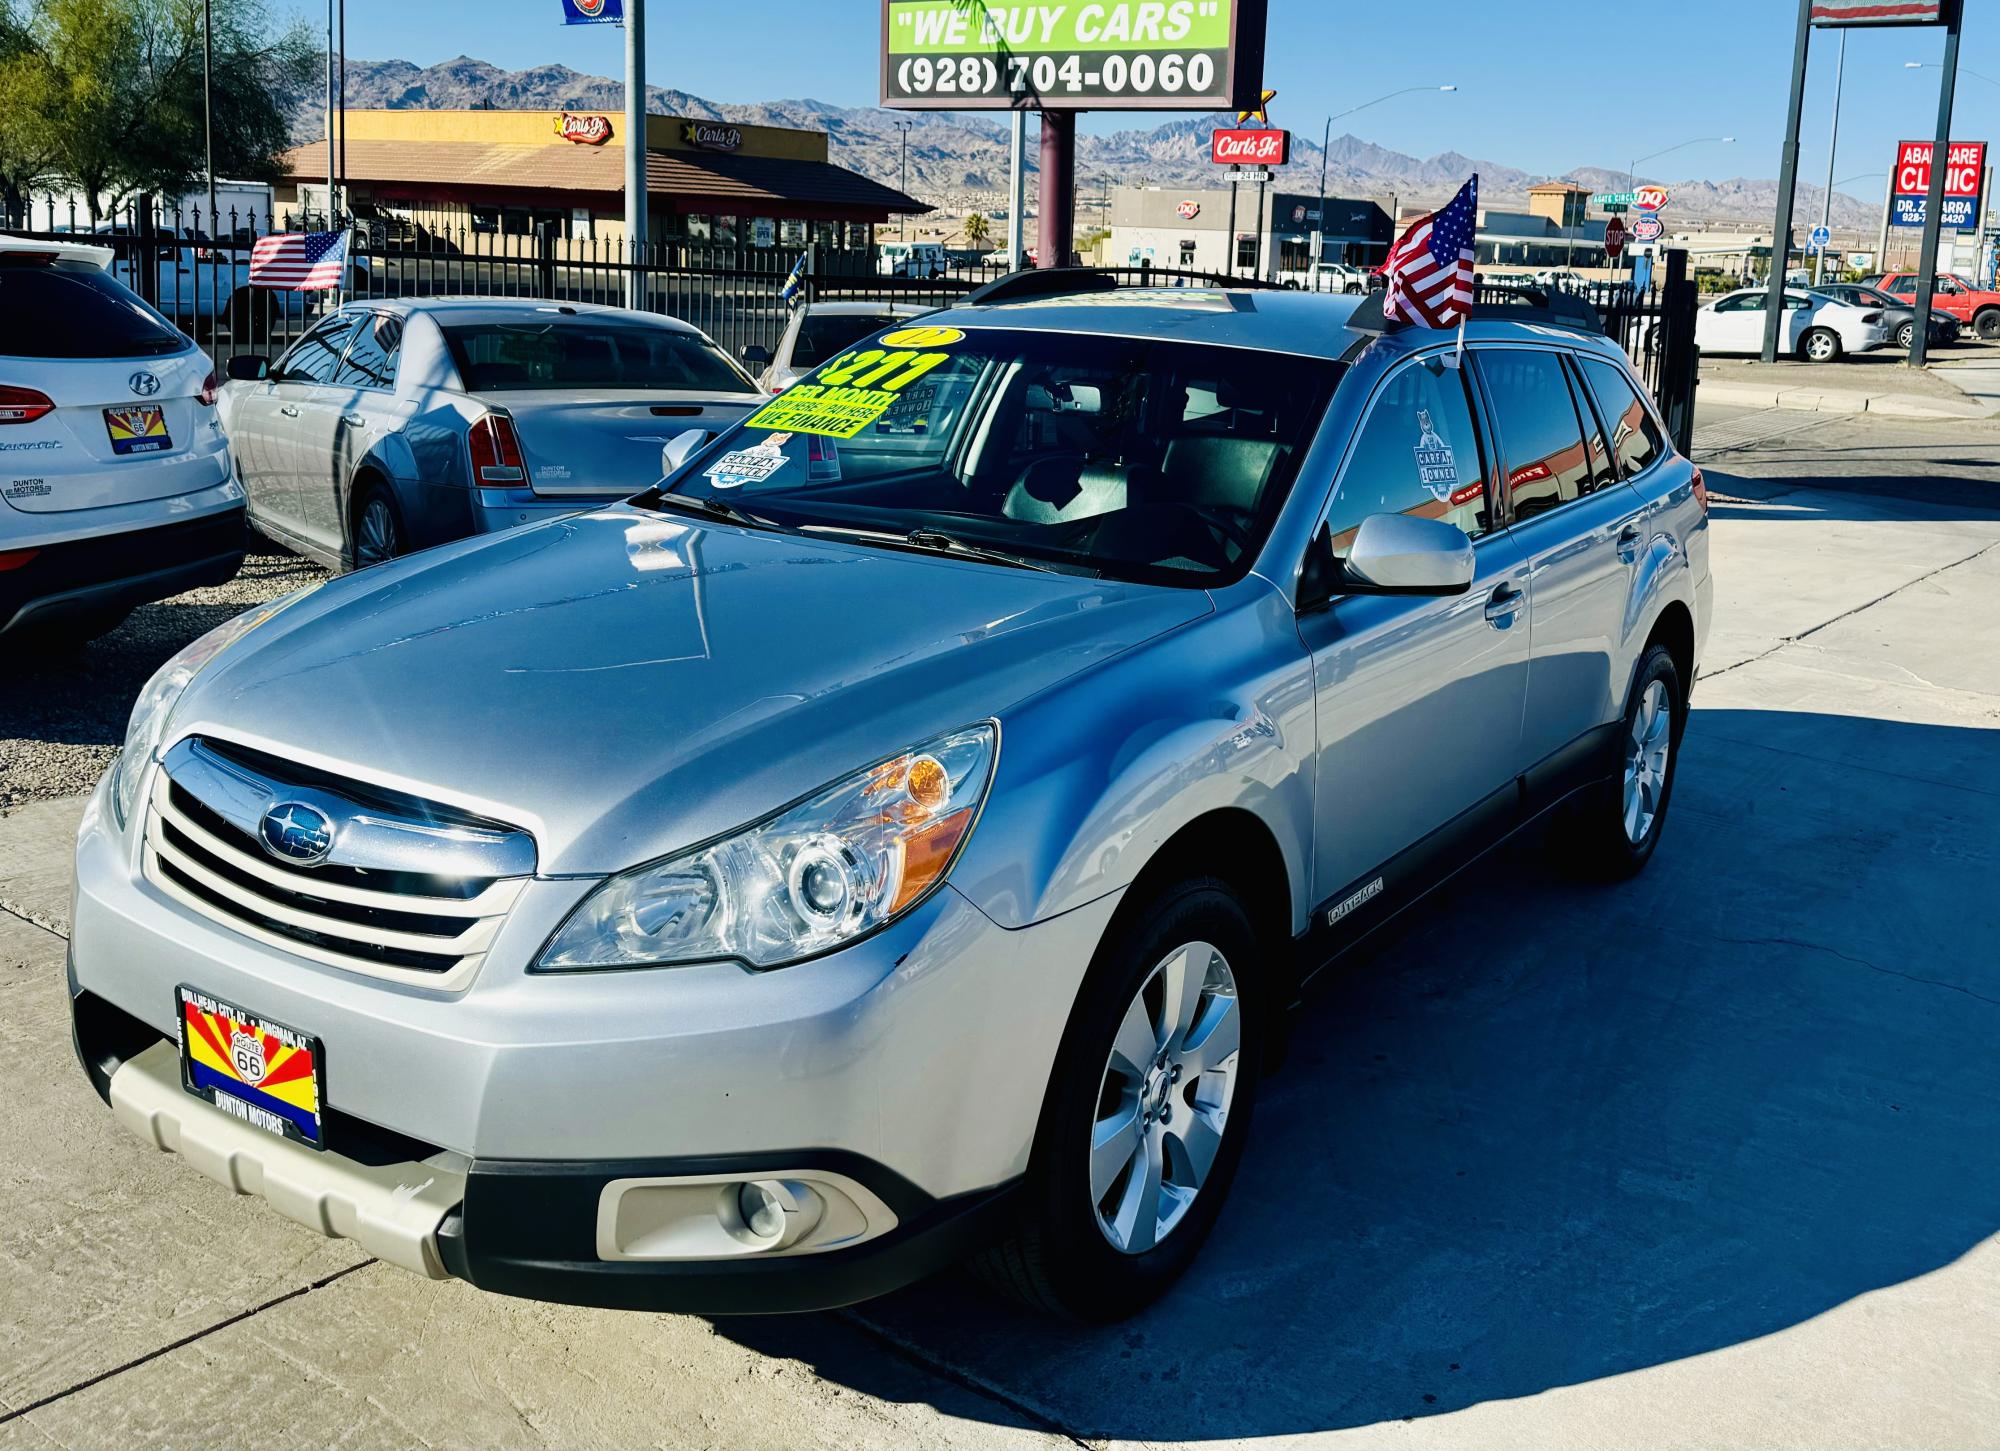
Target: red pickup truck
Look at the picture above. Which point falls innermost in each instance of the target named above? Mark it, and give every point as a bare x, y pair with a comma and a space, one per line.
1975, 307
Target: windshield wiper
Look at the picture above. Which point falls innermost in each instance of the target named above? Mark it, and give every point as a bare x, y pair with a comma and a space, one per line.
932, 541
713, 508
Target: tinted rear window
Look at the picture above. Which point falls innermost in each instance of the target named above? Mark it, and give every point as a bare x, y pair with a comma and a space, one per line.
822, 335
76, 310
584, 354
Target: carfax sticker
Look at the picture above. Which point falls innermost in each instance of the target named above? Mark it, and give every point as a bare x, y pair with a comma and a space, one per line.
1437, 465
746, 466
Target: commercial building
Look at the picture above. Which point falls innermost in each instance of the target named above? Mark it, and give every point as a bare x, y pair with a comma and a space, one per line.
1254, 233
713, 185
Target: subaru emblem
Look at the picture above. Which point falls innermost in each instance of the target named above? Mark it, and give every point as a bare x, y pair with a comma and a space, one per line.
295, 832
144, 384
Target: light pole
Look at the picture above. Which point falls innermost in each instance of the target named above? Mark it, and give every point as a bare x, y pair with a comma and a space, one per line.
208, 108
1632, 172
903, 221
1326, 140
1832, 151
1931, 65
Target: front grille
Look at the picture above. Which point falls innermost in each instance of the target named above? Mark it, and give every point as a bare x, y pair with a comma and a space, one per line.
372, 907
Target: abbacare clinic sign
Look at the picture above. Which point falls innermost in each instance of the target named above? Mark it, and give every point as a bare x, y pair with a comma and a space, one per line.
1110, 55
1965, 168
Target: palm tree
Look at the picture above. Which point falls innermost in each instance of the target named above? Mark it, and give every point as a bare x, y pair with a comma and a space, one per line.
978, 229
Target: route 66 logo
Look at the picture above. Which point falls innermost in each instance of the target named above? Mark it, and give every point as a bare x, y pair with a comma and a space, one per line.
247, 1054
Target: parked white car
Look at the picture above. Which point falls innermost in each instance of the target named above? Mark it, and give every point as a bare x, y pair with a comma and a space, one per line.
1817, 327
115, 485
819, 331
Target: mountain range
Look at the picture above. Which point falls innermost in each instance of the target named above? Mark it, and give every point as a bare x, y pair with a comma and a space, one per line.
960, 161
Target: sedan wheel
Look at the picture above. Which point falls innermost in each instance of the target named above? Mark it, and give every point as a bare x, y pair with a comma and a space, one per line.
1822, 346
1906, 336
378, 536
1165, 1097
1649, 744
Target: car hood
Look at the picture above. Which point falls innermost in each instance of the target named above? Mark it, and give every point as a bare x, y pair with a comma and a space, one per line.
626, 683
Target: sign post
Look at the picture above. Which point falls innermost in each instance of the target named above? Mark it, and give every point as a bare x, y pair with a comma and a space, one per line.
1934, 199
635, 154
1788, 180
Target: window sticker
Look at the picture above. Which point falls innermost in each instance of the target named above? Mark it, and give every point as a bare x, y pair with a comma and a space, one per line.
923, 337
748, 465
848, 394
1437, 466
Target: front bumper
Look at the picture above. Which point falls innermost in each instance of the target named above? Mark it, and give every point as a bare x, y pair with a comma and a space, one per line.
122, 571
913, 1064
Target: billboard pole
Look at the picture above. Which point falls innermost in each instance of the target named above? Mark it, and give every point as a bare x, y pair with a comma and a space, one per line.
1788, 180
1934, 202
1017, 195
635, 153
1058, 186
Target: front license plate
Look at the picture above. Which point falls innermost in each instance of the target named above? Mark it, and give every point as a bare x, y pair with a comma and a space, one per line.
259, 1071
137, 428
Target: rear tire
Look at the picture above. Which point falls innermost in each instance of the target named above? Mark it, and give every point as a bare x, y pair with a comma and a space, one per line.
1820, 345
1157, 1072
377, 535
1609, 831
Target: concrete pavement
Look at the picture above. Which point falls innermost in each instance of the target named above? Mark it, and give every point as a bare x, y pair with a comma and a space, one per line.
1701, 1160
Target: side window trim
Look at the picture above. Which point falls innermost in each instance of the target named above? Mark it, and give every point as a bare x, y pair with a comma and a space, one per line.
395, 357
1505, 468
1475, 405
316, 331
1666, 448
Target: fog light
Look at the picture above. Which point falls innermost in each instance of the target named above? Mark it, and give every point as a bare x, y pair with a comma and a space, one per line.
768, 1214
762, 1214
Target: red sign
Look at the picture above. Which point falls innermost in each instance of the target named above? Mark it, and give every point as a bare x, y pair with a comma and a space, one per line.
1251, 148
1877, 12
1965, 163
1189, 210
1648, 228
584, 130
1614, 238
1649, 198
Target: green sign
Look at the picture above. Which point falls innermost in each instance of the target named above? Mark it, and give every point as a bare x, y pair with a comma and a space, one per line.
1616, 201
972, 55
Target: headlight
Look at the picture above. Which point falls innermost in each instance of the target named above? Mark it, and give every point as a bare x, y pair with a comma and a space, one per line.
163, 692
835, 867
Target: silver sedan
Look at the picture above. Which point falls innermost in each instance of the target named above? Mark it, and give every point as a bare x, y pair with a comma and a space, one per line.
397, 424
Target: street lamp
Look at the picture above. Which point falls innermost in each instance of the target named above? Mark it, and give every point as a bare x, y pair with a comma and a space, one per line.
1326, 140
1632, 172
1832, 151
1931, 65
903, 228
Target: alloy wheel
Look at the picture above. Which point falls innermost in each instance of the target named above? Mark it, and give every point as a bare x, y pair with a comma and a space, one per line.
1163, 1105
1821, 347
375, 537
1648, 746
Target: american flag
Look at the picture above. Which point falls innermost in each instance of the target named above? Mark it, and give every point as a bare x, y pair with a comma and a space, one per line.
1430, 270
299, 261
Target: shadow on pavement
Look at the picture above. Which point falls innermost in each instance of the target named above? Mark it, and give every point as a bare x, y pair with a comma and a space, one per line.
1552, 1133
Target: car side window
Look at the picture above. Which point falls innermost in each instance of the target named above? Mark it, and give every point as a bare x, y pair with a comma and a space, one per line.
1540, 437
371, 355
1417, 453
315, 357
1635, 438
1750, 302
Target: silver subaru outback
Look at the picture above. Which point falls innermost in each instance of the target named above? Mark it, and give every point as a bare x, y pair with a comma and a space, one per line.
896, 836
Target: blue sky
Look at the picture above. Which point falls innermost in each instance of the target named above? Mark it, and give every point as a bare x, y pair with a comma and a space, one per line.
1543, 84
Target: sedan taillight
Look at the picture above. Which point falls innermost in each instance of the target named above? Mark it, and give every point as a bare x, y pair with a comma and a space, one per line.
496, 450
1871, 317
210, 386
23, 405
1701, 490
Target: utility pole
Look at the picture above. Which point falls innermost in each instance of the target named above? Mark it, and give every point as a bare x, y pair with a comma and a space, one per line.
343, 98
1319, 217
1832, 149
329, 116
208, 109
1058, 186
1017, 200
903, 219
1788, 180
1934, 202
635, 153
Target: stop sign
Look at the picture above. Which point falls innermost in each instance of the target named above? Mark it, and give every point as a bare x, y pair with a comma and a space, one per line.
1614, 237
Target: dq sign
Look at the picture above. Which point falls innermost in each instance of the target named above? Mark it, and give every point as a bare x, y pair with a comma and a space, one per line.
1965, 164
1251, 148
1650, 198
1189, 210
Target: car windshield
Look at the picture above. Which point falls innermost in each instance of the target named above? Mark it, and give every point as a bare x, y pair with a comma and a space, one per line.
583, 353
822, 334
76, 310
1164, 462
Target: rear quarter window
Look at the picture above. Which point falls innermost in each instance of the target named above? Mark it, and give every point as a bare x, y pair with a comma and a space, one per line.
77, 310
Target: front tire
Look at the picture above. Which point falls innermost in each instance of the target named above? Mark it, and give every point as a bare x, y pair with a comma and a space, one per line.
1987, 325
1147, 1111
1610, 830
1906, 336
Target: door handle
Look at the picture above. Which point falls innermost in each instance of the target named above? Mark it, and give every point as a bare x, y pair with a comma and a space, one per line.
1503, 604
353, 420
290, 410
1628, 542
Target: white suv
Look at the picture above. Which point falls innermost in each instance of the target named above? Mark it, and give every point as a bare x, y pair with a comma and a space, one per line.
115, 485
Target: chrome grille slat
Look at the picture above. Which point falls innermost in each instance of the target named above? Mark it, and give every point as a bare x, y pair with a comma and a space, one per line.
202, 850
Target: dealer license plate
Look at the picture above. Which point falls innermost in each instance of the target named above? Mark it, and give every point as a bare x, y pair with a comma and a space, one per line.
137, 428
259, 1071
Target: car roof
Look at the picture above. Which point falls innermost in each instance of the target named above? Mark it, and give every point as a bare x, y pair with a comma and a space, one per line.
1304, 324
67, 251
870, 309
477, 310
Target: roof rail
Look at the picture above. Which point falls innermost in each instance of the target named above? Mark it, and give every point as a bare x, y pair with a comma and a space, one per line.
1072, 281
1552, 307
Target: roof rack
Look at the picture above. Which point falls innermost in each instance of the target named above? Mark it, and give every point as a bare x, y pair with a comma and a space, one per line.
1036, 282
1498, 303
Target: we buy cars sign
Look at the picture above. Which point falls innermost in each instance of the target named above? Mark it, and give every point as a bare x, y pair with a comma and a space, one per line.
1965, 165
1263, 147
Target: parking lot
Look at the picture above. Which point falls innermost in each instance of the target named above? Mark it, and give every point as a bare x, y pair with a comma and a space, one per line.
1704, 1159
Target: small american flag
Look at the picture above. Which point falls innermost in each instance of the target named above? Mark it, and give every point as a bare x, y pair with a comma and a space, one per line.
1430, 270
299, 261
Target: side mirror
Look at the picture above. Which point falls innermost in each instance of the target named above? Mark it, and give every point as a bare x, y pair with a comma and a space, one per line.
248, 368
680, 448
1402, 554
756, 355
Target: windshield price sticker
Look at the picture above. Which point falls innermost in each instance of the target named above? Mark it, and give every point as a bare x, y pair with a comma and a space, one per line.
847, 395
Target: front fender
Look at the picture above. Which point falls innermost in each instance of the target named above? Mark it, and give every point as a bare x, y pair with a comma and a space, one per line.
1101, 771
